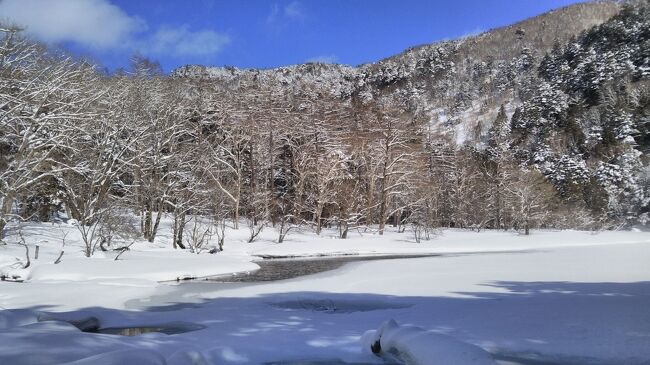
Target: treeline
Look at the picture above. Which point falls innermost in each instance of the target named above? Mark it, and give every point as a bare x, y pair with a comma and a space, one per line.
293, 154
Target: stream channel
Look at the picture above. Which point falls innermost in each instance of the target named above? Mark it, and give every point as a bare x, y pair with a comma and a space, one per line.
275, 269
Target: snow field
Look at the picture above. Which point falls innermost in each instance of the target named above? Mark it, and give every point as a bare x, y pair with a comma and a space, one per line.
558, 297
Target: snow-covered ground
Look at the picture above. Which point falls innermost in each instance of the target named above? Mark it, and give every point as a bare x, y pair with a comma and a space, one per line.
559, 297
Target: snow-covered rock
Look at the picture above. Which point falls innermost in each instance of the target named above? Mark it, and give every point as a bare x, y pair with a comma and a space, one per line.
415, 346
84, 320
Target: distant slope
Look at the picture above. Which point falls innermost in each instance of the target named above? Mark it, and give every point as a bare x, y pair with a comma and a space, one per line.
570, 89
460, 83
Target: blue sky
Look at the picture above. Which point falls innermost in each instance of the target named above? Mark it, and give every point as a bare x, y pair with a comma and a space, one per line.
257, 33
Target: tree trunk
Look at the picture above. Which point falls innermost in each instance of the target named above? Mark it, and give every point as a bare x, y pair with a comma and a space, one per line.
175, 231
497, 210
147, 221
382, 213
525, 221
281, 236
397, 217
179, 232
7, 204
319, 214
142, 210
236, 223
154, 229
344, 230
370, 200
73, 210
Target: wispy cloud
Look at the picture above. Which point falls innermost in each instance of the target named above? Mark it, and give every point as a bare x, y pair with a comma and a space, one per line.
323, 59
183, 42
102, 26
292, 11
274, 14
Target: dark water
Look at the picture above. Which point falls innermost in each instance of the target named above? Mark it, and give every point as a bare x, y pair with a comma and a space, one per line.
169, 329
289, 268
134, 331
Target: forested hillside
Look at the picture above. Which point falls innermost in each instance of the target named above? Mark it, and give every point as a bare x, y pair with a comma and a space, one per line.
540, 124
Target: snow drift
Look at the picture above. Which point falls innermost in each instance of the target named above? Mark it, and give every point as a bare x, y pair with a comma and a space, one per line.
415, 346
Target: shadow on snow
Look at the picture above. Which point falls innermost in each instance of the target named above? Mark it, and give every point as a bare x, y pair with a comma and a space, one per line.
521, 322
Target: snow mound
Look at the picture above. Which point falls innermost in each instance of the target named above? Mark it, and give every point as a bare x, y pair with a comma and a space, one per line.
15, 272
187, 357
17, 317
121, 357
415, 346
84, 320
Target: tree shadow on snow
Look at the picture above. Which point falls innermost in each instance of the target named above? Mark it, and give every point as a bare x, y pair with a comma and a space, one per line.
522, 322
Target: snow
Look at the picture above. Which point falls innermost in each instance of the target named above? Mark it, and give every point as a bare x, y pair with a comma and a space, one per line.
414, 346
143, 357
153, 262
554, 296
143, 262
450, 241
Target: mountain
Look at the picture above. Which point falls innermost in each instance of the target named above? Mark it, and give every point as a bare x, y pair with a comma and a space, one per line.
460, 82
570, 87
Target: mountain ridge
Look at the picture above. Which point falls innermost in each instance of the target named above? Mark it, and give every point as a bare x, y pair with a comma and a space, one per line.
567, 85
606, 7
435, 70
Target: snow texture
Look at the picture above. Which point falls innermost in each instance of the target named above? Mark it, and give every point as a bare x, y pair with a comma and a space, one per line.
553, 297
414, 346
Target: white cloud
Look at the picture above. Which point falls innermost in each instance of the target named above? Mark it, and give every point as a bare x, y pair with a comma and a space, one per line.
92, 23
323, 59
274, 15
292, 11
183, 42
100, 25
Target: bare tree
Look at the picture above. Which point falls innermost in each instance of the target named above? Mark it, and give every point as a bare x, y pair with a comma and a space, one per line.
394, 155
531, 197
200, 234
228, 174
257, 216
153, 107
42, 97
